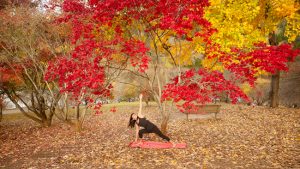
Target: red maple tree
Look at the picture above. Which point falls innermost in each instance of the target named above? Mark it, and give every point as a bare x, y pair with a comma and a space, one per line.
84, 71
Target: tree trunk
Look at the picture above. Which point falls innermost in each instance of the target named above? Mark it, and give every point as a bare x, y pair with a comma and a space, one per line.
67, 107
274, 95
46, 123
45, 120
1, 109
51, 114
164, 123
42, 111
77, 112
164, 114
78, 123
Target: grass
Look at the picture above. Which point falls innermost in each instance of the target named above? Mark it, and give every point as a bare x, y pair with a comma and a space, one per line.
13, 116
106, 107
122, 104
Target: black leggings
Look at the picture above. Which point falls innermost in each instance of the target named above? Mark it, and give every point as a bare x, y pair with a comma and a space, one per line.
154, 130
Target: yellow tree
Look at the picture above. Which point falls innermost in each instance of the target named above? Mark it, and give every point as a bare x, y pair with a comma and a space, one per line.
243, 23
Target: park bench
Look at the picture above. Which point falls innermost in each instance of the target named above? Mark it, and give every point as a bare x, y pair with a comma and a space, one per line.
204, 110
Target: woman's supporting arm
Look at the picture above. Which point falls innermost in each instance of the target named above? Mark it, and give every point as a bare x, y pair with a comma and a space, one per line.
137, 129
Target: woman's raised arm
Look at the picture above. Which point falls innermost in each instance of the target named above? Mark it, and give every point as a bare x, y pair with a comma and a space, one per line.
141, 105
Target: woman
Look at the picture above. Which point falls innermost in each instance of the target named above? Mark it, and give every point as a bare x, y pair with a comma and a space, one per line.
138, 120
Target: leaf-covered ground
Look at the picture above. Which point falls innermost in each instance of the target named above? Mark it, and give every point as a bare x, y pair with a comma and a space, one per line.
243, 137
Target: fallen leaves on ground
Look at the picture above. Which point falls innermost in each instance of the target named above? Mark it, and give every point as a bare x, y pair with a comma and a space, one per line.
242, 137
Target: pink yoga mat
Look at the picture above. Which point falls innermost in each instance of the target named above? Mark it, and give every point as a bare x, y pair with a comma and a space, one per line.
153, 144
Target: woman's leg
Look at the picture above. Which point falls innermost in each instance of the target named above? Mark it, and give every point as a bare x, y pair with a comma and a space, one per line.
141, 132
160, 134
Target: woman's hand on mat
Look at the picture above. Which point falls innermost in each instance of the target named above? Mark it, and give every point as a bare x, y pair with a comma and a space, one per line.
138, 142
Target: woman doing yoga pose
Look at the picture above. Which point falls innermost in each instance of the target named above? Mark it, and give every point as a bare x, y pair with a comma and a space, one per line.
143, 125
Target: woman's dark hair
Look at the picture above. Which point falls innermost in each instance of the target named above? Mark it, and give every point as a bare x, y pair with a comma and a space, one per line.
131, 121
